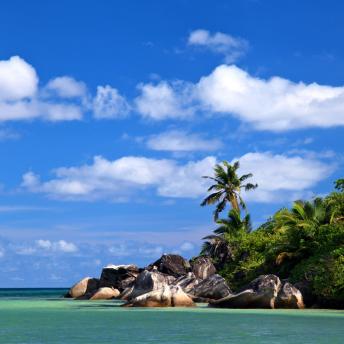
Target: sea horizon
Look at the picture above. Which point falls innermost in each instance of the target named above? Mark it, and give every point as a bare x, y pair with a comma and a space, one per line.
172, 172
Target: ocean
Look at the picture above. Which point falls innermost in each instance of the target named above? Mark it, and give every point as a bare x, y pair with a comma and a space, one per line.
43, 316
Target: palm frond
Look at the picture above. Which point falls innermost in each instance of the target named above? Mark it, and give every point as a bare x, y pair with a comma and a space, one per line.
212, 198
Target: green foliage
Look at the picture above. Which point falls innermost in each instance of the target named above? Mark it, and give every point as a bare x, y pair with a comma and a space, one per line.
303, 244
325, 275
223, 243
339, 184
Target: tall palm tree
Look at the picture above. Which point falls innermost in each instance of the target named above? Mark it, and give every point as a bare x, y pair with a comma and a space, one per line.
227, 188
220, 246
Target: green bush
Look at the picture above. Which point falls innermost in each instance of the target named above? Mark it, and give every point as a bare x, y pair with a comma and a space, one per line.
304, 244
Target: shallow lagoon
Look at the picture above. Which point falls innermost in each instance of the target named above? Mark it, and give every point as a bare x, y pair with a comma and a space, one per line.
40, 317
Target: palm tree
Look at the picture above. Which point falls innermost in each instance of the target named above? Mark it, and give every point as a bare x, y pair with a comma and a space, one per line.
221, 245
233, 224
227, 188
304, 215
217, 248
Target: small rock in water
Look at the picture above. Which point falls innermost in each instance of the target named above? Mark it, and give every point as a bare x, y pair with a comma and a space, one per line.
289, 297
86, 286
105, 293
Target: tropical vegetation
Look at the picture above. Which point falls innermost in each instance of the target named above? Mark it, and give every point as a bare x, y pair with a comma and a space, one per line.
304, 244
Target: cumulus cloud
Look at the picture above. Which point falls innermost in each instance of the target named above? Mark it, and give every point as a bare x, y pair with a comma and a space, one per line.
57, 246
67, 87
229, 46
108, 103
44, 247
34, 109
165, 100
118, 178
181, 141
275, 104
61, 99
280, 177
20, 98
18, 79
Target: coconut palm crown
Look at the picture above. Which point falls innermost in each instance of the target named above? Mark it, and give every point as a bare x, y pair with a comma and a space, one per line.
221, 245
227, 188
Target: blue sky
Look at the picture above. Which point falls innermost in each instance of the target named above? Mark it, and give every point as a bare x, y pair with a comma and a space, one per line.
110, 113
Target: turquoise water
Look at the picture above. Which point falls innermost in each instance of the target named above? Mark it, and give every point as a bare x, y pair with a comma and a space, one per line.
42, 316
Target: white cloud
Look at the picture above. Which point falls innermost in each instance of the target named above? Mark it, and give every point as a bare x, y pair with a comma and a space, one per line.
181, 141
153, 252
274, 104
120, 177
67, 87
57, 246
282, 177
108, 103
231, 47
20, 98
18, 79
164, 100
62, 99
25, 251
65, 246
187, 246
34, 109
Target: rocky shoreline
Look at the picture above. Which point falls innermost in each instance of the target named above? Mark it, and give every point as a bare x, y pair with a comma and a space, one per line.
173, 281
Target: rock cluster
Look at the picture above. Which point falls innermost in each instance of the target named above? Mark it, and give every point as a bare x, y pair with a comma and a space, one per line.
266, 291
172, 281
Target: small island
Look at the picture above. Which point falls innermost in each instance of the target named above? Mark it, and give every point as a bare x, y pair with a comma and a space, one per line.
293, 260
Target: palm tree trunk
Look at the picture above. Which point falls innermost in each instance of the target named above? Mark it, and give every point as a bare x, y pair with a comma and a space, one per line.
234, 202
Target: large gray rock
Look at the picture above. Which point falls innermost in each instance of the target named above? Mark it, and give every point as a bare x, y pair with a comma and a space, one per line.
148, 281
289, 297
308, 296
167, 296
171, 264
118, 276
260, 293
187, 282
212, 288
87, 285
203, 267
